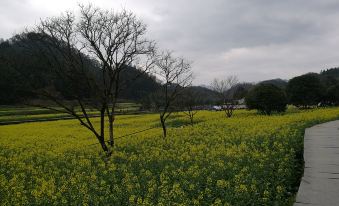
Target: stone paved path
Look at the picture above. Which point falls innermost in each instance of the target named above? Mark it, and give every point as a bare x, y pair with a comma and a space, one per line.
320, 183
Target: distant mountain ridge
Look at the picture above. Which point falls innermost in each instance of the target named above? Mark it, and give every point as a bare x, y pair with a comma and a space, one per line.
277, 82
38, 72
209, 96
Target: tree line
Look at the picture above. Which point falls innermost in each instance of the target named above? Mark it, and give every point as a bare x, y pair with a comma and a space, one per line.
306, 91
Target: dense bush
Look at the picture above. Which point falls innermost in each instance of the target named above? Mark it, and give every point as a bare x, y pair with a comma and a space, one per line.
305, 90
267, 98
333, 94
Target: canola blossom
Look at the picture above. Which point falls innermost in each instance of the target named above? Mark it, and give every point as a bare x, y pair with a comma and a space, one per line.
248, 159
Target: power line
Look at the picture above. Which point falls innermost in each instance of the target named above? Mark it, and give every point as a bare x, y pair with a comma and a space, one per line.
126, 135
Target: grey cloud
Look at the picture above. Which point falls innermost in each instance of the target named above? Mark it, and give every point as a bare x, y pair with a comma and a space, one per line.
254, 39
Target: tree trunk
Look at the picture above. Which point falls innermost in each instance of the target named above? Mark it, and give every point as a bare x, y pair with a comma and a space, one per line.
191, 118
111, 130
103, 144
102, 123
101, 138
228, 113
229, 110
163, 125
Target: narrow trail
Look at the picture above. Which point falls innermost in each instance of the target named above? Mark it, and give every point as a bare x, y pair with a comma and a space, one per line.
320, 182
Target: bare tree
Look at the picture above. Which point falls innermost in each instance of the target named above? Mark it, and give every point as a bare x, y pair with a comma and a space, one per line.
115, 40
175, 74
110, 41
189, 102
222, 87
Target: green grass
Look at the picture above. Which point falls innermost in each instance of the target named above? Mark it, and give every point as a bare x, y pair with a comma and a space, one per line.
246, 160
20, 113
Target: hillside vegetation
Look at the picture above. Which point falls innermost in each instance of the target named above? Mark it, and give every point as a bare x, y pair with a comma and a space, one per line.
246, 160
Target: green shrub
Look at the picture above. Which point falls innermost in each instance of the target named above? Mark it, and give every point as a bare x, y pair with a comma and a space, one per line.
332, 94
267, 98
305, 90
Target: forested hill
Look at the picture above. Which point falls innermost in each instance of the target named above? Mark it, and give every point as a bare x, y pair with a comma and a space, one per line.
205, 95
19, 68
277, 82
326, 75
333, 72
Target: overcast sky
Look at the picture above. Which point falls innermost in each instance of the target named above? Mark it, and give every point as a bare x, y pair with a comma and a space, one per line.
253, 39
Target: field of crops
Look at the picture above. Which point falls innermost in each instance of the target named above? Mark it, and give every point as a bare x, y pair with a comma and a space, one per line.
246, 160
14, 114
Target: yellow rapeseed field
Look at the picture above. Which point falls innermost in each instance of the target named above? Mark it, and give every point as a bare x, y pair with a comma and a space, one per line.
248, 159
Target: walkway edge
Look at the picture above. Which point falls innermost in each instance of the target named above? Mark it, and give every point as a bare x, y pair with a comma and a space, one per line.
320, 182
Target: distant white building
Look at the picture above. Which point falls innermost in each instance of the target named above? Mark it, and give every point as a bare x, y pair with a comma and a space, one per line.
241, 101
216, 108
